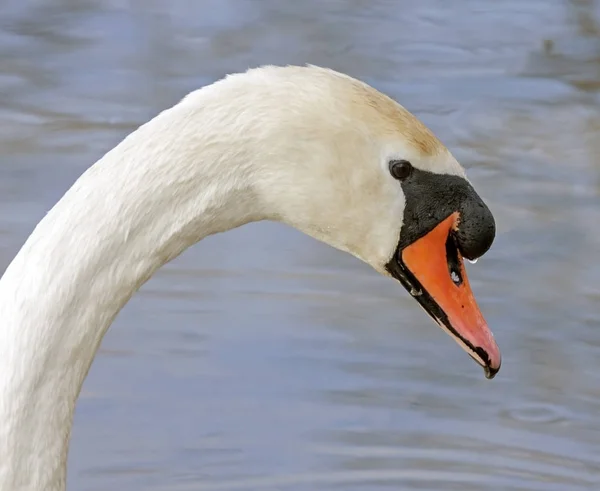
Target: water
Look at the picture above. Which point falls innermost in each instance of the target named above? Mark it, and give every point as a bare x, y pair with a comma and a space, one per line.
261, 359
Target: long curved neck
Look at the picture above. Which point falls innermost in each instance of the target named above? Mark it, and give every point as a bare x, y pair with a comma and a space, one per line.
165, 187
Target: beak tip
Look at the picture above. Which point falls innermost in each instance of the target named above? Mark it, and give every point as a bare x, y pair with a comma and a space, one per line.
490, 359
490, 372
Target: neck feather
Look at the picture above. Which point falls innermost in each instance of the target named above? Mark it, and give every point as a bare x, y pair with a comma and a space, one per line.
165, 187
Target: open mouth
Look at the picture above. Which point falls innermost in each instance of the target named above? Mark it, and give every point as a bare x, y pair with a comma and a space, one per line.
433, 271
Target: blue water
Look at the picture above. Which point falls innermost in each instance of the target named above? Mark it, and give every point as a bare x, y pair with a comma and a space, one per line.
261, 359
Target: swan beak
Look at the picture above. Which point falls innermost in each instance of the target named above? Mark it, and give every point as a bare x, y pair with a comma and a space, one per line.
437, 265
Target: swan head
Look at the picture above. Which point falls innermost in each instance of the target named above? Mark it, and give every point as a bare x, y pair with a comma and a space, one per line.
351, 167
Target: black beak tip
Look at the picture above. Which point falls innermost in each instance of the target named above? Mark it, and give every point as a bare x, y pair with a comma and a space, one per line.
490, 372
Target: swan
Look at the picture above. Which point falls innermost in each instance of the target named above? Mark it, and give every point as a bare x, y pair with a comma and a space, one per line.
306, 146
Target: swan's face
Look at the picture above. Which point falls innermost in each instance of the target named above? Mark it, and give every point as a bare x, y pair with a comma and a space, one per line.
444, 221
374, 181
440, 219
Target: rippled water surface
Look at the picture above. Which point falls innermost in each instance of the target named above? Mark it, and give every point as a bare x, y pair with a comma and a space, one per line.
262, 360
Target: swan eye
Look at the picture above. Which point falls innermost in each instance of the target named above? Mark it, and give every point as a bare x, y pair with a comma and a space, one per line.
400, 169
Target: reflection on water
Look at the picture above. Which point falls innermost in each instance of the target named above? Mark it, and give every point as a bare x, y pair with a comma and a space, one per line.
292, 366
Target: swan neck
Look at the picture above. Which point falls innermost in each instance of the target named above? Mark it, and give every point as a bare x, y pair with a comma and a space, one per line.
161, 190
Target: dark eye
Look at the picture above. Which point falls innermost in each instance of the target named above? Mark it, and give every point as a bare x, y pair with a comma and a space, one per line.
400, 169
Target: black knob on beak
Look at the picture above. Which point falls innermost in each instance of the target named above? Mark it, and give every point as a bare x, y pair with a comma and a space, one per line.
476, 227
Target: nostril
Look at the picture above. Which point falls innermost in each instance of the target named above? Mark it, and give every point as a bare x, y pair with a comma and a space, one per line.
453, 261
455, 277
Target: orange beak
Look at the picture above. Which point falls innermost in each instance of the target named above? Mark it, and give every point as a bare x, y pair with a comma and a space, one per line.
436, 263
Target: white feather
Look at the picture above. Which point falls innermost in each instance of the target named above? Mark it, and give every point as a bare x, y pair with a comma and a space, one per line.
302, 145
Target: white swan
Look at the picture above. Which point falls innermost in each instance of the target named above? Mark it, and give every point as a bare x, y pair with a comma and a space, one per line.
305, 146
